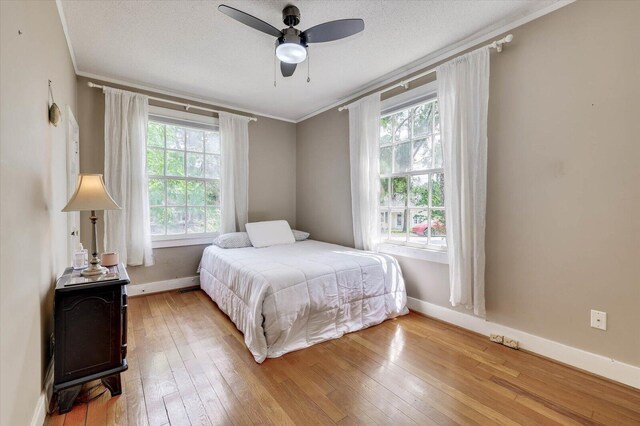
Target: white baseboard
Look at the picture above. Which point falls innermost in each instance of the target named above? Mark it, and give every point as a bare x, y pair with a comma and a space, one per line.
588, 361
159, 286
40, 412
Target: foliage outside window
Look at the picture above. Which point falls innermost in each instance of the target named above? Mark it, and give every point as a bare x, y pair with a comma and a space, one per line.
183, 169
412, 177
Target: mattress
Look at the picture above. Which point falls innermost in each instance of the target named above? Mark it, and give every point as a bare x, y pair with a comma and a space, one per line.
288, 297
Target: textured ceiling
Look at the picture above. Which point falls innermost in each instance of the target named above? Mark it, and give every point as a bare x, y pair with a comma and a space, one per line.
188, 47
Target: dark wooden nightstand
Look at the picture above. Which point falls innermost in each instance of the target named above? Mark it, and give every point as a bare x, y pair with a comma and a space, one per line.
90, 334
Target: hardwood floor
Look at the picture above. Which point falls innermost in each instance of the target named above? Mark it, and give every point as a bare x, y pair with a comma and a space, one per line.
188, 365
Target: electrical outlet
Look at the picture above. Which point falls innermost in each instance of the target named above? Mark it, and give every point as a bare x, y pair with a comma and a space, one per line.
512, 343
598, 319
496, 338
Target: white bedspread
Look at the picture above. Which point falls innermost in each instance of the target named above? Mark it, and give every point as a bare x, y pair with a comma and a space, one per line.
289, 297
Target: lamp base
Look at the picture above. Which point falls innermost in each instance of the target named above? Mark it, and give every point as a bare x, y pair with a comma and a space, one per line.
94, 270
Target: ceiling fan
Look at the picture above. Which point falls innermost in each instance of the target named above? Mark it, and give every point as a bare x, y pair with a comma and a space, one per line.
291, 43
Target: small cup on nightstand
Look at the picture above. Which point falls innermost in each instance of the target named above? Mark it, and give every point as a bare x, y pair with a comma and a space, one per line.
109, 259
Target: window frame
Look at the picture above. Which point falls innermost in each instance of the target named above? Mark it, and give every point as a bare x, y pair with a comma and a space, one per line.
408, 100
202, 121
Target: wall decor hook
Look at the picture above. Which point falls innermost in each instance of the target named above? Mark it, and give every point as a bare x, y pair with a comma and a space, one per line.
54, 111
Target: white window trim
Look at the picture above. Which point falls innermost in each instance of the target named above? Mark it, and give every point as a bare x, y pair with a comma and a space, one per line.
181, 240
163, 241
428, 254
408, 97
182, 115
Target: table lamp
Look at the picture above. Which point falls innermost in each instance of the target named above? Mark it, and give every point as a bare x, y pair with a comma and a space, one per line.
91, 195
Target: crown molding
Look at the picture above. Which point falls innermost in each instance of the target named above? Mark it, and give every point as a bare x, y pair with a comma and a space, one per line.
65, 28
442, 54
185, 96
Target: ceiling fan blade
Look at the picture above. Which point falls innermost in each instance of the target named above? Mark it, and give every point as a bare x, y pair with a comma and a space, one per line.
333, 30
249, 20
287, 69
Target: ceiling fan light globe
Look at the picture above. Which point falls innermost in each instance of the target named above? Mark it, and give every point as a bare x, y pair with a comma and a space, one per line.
291, 53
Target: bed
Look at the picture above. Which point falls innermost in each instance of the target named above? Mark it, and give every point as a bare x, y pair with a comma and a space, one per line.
288, 297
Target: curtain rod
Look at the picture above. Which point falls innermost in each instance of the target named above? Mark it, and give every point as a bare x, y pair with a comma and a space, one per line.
187, 107
497, 44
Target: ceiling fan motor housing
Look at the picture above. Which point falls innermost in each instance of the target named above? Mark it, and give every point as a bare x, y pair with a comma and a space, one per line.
291, 35
291, 16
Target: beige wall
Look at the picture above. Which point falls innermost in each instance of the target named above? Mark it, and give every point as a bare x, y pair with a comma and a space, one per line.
33, 244
272, 178
323, 188
563, 229
272, 170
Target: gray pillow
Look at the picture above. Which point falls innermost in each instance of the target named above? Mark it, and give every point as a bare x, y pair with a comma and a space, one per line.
300, 235
233, 240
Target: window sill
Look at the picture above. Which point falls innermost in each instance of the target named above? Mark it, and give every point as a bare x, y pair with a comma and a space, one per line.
436, 256
180, 242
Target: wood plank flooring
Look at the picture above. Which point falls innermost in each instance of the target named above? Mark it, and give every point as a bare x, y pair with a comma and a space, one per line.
188, 366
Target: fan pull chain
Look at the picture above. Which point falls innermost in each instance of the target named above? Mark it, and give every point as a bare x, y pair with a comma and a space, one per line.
308, 66
274, 70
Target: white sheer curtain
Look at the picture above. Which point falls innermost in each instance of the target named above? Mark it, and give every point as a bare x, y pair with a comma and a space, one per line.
463, 96
234, 138
364, 150
127, 231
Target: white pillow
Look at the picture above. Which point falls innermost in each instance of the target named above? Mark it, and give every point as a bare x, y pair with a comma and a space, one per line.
271, 233
233, 240
300, 235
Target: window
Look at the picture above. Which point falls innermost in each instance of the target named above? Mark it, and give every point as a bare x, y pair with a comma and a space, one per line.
412, 177
183, 169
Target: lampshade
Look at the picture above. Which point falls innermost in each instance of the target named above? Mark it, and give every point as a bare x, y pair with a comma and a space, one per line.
90, 195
